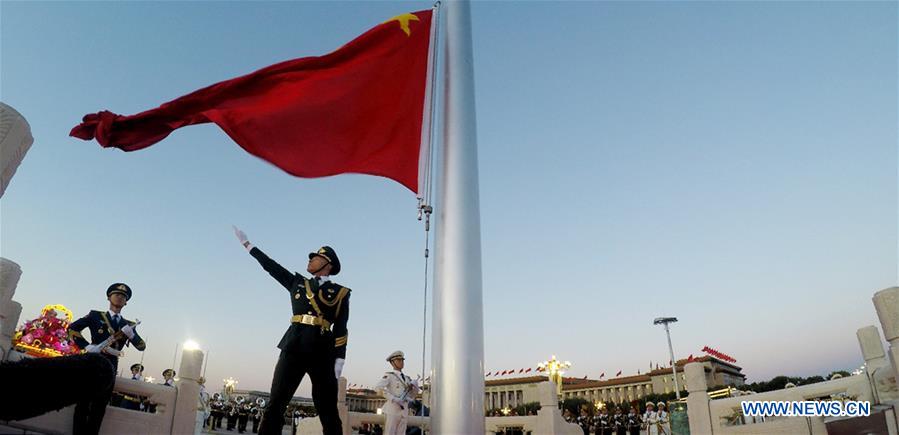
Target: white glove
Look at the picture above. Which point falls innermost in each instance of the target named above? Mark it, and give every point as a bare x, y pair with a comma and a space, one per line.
242, 236
128, 331
338, 367
92, 348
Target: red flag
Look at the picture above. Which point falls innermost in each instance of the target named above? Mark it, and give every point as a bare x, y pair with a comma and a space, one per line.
528, 370
618, 374
602, 375
585, 376
358, 109
690, 358
520, 371
503, 373
488, 373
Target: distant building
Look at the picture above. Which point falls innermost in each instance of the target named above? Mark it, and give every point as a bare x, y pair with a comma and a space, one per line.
252, 395
363, 400
499, 393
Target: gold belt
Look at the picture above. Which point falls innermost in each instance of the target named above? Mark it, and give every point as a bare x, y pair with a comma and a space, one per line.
308, 319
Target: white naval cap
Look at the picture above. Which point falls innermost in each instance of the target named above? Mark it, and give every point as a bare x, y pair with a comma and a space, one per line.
396, 355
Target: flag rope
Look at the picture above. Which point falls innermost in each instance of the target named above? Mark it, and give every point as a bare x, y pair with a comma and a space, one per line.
424, 201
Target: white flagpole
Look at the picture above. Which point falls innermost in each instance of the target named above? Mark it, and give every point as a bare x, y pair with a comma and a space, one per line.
457, 395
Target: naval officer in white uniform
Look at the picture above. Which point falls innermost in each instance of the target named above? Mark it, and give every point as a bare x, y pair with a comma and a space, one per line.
399, 390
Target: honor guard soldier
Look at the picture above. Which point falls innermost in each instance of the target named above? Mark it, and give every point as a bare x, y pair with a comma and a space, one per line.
129, 401
137, 372
315, 343
399, 390
662, 416
651, 420
110, 332
169, 376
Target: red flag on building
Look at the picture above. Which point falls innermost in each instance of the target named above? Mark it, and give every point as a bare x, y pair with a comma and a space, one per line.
520, 371
358, 109
487, 375
618, 374
602, 375
528, 370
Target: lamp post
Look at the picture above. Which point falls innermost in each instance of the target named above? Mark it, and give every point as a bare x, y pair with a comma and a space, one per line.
555, 369
230, 386
665, 321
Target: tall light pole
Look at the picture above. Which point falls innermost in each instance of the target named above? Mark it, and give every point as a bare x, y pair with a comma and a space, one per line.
555, 369
665, 321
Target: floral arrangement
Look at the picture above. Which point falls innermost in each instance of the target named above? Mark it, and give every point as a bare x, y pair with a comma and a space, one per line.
46, 336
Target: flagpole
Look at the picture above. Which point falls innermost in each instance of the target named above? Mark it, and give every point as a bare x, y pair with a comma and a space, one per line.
457, 395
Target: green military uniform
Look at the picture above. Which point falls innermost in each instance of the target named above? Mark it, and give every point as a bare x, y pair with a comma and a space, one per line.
317, 336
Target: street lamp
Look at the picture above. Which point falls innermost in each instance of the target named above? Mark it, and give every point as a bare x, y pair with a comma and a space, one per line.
555, 369
665, 321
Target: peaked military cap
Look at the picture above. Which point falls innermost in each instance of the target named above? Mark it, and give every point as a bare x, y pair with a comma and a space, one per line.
139, 367
396, 355
120, 288
328, 253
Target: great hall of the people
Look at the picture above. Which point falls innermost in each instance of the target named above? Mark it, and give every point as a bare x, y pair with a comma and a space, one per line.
511, 392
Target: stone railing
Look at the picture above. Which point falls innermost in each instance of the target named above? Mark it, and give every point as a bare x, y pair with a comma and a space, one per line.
547, 421
176, 408
876, 385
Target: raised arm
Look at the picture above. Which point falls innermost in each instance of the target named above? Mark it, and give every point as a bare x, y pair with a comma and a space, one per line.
278, 272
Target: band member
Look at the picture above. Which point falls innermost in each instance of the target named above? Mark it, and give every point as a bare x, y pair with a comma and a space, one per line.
256, 413
110, 332
603, 422
585, 421
620, 423
231, 411
399, 390
217, 411
243, 414
633, 422
315, 343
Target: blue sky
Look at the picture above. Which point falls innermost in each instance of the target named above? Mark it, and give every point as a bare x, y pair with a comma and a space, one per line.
731, 164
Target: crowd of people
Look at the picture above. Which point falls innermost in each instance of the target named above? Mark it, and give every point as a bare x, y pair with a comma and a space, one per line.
654, 421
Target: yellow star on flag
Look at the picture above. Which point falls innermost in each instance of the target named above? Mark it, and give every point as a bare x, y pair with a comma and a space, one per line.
404, 21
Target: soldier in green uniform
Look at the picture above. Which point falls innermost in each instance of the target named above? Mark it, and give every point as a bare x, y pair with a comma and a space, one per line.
103, 325
315, 343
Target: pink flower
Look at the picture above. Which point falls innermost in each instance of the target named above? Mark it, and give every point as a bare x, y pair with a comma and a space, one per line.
38, 333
